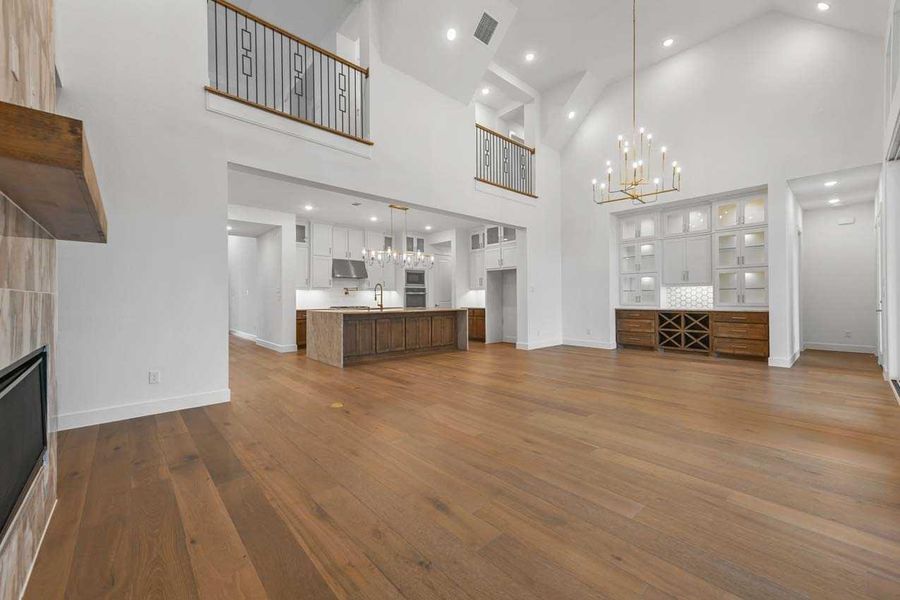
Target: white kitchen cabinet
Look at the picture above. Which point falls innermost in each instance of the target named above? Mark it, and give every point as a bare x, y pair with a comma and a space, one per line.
509, 235
301, 277
501, 250
509, 255
301, 233
321, 271
742, 287
639, 290
374, 241
321, 240
687, 261
639, 257
685, 221
743, 248
492, 258
739, 212
476, 270
415, 243
638, 227
492, 236
476, 240
348, 243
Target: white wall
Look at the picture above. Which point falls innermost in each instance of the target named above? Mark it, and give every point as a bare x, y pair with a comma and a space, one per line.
773, 99
269, 286
838, 279
508, 303
156, 296
242, 285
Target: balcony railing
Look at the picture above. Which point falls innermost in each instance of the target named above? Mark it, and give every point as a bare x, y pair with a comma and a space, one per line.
503, 162
260, 64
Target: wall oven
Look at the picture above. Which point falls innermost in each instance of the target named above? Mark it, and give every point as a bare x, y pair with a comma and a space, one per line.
415, 278
415, 297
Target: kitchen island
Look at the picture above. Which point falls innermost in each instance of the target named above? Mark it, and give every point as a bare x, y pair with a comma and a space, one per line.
340, 337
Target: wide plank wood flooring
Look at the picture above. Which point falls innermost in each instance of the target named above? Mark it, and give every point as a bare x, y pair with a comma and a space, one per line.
564, 473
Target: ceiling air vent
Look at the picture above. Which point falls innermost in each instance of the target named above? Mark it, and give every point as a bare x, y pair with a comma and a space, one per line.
486, 28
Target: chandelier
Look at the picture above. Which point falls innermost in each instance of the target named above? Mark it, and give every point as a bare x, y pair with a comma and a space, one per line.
635, 173
389, 256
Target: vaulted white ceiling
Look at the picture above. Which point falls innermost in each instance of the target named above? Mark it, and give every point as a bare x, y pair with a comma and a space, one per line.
573, 37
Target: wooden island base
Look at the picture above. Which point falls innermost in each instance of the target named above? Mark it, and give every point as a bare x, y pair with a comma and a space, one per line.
343, 337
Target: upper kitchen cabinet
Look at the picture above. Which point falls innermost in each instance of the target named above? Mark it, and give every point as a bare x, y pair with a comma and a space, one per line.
476, 240
639, 257
687, 261
739, 212
745, 248
348, 243
321, 240
301, 277
686, 221
742, 287
509, 235
301, 235
501, 249
415, 243
492, 236
638, 227
476, 260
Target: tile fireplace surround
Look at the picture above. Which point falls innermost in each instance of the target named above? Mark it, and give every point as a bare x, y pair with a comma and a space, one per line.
27, 322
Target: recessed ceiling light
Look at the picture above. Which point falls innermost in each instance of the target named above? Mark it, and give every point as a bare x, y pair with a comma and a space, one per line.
229, 228
823, 6
529, 56
485, 91
834, 201
451, 34
668, 42
373, 219
428, 228
308, 207
571, 114
830, 183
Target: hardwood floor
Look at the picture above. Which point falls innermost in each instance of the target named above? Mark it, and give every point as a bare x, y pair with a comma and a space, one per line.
554, 474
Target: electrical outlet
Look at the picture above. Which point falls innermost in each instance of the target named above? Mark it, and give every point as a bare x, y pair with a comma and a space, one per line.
848, 334
154, 377
588, 331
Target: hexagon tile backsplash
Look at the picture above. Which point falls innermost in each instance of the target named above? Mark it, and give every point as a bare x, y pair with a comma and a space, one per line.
692, 297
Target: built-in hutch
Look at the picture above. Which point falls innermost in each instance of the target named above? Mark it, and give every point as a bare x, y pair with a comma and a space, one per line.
491, 248
669, 253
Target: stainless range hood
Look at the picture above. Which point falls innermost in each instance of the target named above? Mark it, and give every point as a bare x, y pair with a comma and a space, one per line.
341, 268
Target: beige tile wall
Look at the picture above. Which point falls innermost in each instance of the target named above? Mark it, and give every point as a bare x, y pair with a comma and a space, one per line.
27, 273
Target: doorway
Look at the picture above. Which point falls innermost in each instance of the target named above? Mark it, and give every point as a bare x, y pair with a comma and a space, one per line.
838, 261
501, 299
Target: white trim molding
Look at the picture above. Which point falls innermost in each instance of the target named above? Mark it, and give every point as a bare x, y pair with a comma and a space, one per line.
255, 116
783, 362
242, 334
537, 345
839, 347
284, 348
589, 343
141, 409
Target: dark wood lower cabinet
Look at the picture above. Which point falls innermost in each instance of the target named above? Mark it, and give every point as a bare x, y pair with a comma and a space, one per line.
380, 335
477, 329
733, 333
301, 329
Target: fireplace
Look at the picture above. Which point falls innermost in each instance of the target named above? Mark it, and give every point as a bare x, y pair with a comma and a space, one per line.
23, 430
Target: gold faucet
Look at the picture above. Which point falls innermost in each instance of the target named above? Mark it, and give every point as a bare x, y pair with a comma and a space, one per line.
381, 303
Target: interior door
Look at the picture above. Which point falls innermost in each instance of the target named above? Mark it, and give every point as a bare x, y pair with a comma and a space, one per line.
443, 282
698, 260
673, 262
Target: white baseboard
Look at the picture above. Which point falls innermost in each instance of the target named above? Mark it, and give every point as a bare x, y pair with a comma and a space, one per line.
276, 347
141, 409
242, 334
544, 343
589, 343
839, 347
783, 362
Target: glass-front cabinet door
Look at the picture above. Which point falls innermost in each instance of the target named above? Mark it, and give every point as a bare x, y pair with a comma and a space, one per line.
638, 258
698, 219
755, 287
727, 250
727, 213
477, 241
754, 252
753, 211
639, 290
728, 288
688, 220
637, 227
492, 235
674, 223
509, 235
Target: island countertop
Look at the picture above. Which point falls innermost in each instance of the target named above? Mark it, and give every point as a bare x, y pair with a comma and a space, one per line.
342, 336
385, 311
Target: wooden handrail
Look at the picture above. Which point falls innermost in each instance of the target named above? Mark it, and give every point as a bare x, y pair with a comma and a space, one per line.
500, 135
288, 34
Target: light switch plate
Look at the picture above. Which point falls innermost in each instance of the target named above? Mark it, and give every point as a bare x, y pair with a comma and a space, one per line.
14, 57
